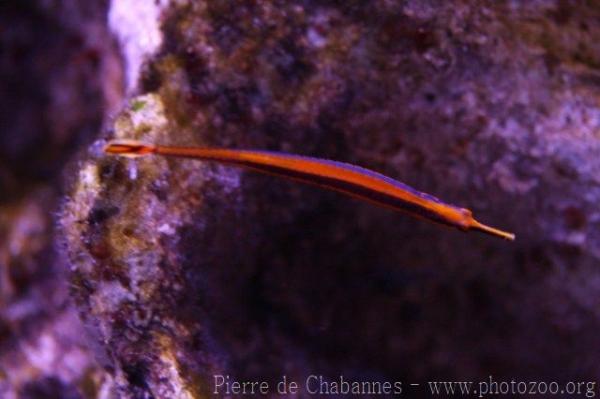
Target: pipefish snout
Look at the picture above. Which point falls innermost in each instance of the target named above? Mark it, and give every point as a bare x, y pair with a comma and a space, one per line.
338, 176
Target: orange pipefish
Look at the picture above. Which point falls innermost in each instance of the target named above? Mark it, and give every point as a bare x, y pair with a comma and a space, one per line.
346, 178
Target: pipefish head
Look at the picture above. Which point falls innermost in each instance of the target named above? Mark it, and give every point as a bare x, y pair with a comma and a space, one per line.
129, 148
469, 223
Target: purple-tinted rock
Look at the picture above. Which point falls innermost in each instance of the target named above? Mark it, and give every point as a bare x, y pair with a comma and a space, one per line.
59, 73
184, 269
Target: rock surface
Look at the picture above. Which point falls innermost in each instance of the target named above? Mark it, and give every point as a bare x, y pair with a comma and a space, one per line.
59, 73
182, 270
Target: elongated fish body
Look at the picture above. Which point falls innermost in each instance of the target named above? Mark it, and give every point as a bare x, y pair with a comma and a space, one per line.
339, 176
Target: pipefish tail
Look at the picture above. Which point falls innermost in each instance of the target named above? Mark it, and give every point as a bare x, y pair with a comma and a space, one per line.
343, 177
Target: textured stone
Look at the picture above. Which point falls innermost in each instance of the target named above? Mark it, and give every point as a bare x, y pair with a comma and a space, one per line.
59, 74
183, 269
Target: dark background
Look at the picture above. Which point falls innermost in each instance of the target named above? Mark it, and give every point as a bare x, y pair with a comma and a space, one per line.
490, 105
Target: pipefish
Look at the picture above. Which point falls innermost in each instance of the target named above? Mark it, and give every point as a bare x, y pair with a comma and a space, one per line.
346, 178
